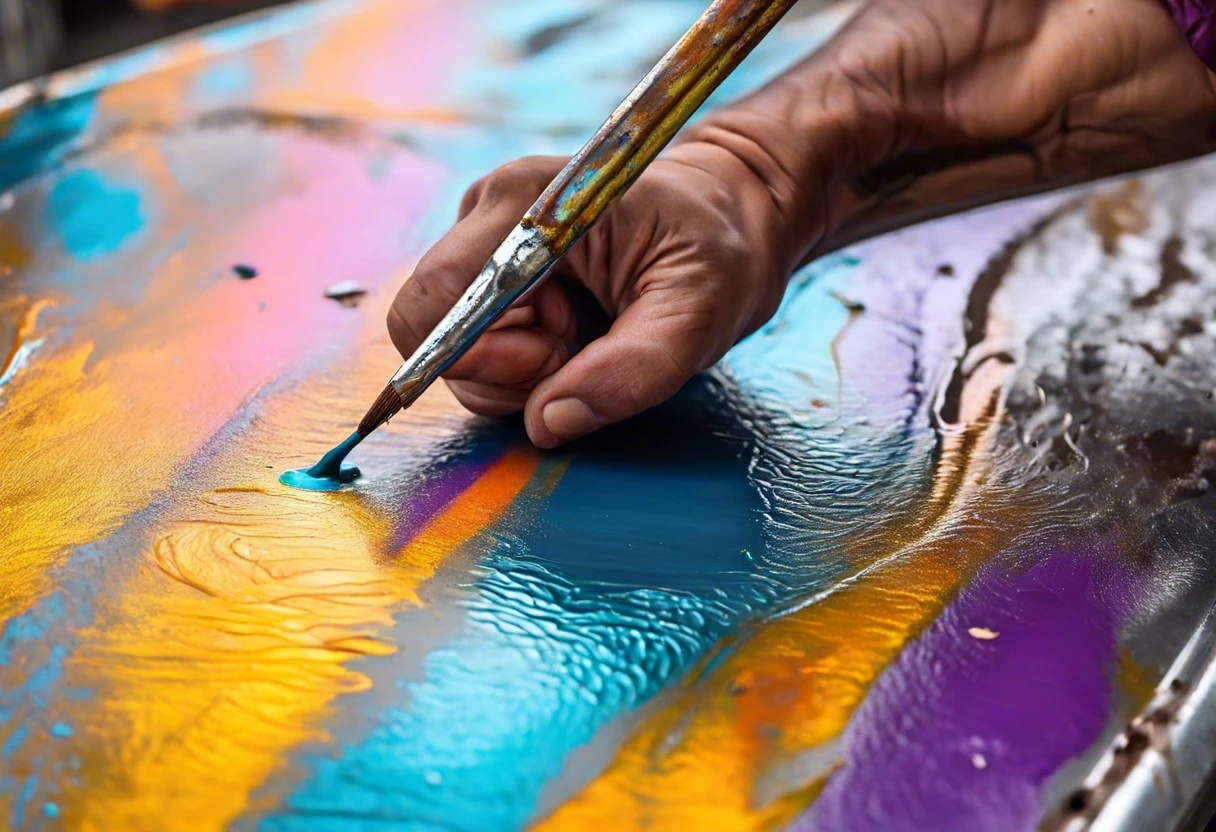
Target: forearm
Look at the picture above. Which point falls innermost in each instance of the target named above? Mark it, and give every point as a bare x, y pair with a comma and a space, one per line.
923, 107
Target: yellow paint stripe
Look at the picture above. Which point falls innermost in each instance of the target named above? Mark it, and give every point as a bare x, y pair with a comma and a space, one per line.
229, 654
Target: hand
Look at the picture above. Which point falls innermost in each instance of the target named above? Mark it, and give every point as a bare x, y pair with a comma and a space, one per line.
688, 261
915, 109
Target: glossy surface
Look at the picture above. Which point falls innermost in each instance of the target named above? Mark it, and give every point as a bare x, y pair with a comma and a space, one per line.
920, 554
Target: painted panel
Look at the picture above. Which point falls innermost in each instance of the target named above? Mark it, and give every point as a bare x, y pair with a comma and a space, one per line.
929, 551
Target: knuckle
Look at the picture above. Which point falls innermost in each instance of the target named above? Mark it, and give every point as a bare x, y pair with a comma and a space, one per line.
401, 330
521, 177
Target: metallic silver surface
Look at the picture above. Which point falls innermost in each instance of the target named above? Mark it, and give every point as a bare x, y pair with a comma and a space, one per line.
519, 263
1159, 788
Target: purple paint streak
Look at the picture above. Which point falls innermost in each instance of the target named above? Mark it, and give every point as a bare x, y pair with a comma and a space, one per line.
961, 733
1195, 19
437, 493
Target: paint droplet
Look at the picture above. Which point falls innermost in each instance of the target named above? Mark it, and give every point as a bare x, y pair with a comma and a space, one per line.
348, 293
245, 272
50, 810
983, 633
978, 761
818, 403
747, 555
61, 729
330, 473
432, 777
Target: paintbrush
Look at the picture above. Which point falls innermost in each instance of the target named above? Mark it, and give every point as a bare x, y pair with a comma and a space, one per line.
597, 175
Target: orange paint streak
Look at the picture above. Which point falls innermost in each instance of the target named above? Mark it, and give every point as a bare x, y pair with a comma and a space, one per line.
160, 95
13, 254
484, 500
25, 331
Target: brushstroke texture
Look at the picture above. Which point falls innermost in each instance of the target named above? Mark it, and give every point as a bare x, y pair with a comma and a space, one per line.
749, 609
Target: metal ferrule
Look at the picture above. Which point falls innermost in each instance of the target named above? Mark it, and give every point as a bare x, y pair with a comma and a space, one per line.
517, 265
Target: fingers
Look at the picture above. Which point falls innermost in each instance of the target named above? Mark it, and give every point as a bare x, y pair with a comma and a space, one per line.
491, 209
524, 346
651, 350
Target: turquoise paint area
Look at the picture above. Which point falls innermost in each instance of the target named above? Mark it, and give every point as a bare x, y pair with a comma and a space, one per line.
569, 85
92, 216
775, 360
330, 473
35, 640
227, 77
39, 136
620, 589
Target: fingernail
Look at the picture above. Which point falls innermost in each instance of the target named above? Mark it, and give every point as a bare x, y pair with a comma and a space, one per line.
568, 419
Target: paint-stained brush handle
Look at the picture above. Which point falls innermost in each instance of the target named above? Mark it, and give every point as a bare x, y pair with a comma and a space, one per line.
648, 119
597, 175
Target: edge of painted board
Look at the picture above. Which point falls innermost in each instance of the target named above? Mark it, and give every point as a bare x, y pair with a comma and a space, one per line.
1168, 787
224, 36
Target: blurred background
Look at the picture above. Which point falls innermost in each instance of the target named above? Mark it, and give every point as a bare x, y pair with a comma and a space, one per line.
40, 36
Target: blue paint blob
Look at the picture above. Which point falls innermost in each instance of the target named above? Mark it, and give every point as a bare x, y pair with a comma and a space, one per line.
50, 810
330, 473
92, 216
41, 135
61, 729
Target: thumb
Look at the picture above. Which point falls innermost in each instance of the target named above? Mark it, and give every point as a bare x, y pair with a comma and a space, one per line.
655, 346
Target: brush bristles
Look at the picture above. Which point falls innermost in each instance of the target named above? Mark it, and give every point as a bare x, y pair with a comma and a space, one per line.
384, 408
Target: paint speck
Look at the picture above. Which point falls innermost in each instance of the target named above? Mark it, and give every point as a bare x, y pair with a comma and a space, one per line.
432, 777
982, 633
50, 810
61, 729
818, 403
945, 270
7, 200
747, 555
978, 761
177, 361
245, 272
348, 293
854, 307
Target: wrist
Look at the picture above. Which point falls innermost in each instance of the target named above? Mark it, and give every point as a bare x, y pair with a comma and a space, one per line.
800, 158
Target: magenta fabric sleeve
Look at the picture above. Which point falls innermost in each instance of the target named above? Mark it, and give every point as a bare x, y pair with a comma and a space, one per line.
1196, 19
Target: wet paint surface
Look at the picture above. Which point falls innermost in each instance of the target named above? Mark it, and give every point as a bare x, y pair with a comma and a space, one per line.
755, 607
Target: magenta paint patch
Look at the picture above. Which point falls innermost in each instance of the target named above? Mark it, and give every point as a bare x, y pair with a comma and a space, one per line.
967, 726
